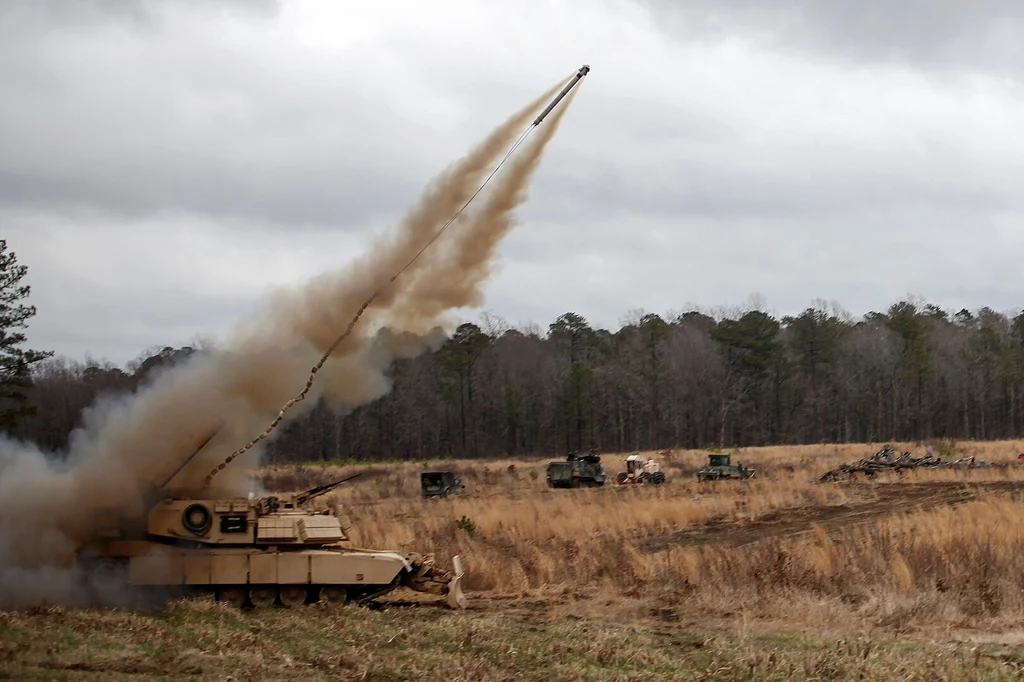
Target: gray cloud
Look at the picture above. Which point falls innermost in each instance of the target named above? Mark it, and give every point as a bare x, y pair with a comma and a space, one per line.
136, 108
136, 14
163, 161
947, 34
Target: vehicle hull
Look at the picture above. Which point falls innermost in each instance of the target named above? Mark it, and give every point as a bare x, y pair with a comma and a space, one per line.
251, 575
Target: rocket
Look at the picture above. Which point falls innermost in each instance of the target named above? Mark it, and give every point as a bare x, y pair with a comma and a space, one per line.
584, 70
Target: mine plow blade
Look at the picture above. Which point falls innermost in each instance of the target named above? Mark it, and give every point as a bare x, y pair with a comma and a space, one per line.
425, 578
456, 597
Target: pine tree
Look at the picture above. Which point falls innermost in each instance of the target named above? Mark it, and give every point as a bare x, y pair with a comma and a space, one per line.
15, 362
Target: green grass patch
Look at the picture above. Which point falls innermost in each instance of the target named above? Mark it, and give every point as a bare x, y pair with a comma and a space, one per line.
202, 639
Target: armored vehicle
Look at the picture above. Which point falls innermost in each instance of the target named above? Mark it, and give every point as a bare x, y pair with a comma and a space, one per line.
577, 470
720, 467
256, 551
439, 484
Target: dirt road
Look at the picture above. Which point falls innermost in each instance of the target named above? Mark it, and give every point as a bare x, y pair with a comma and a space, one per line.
870, 502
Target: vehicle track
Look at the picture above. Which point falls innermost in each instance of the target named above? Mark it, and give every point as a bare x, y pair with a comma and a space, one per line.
870, 503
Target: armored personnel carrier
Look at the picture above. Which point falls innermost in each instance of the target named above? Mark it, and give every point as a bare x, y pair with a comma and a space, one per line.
577, 470
720, 467
255, 552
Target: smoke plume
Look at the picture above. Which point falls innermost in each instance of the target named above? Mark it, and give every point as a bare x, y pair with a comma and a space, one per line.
454, 277
127, 447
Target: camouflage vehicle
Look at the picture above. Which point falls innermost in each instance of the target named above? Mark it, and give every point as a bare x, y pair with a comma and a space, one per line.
720, 467
439, 484
252, 551
577, 470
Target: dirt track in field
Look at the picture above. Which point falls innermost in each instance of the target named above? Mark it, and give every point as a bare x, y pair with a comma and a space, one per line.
870, 502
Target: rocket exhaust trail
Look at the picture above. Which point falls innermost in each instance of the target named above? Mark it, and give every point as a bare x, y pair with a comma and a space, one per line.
454, 282
314, 314
576, 78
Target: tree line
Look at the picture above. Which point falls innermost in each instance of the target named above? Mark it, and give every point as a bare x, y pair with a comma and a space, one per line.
692, 380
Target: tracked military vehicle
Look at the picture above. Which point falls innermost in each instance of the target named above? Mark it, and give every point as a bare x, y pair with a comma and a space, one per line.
576, 471
720, 467
255, 551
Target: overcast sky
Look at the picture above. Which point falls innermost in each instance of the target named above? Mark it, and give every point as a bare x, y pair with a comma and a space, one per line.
166, 165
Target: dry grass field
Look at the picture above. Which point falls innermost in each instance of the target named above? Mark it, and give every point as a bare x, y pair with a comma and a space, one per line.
919, 576
926, 548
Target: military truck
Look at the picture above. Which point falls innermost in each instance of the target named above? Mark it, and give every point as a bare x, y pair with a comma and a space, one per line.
576, 471
721, 467
439, 484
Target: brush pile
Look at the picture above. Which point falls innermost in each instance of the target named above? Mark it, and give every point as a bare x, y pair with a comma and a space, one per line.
886, 459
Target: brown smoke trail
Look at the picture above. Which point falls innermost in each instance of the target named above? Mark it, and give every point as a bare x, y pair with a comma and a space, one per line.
454, 281
323, 308
127, 445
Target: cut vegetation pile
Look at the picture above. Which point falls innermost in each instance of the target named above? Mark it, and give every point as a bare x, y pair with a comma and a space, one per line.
886, 459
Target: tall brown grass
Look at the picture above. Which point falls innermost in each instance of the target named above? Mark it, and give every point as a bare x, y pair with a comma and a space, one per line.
957, 565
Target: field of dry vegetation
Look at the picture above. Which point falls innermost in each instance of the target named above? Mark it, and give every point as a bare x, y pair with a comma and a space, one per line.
898, 577
922, 550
